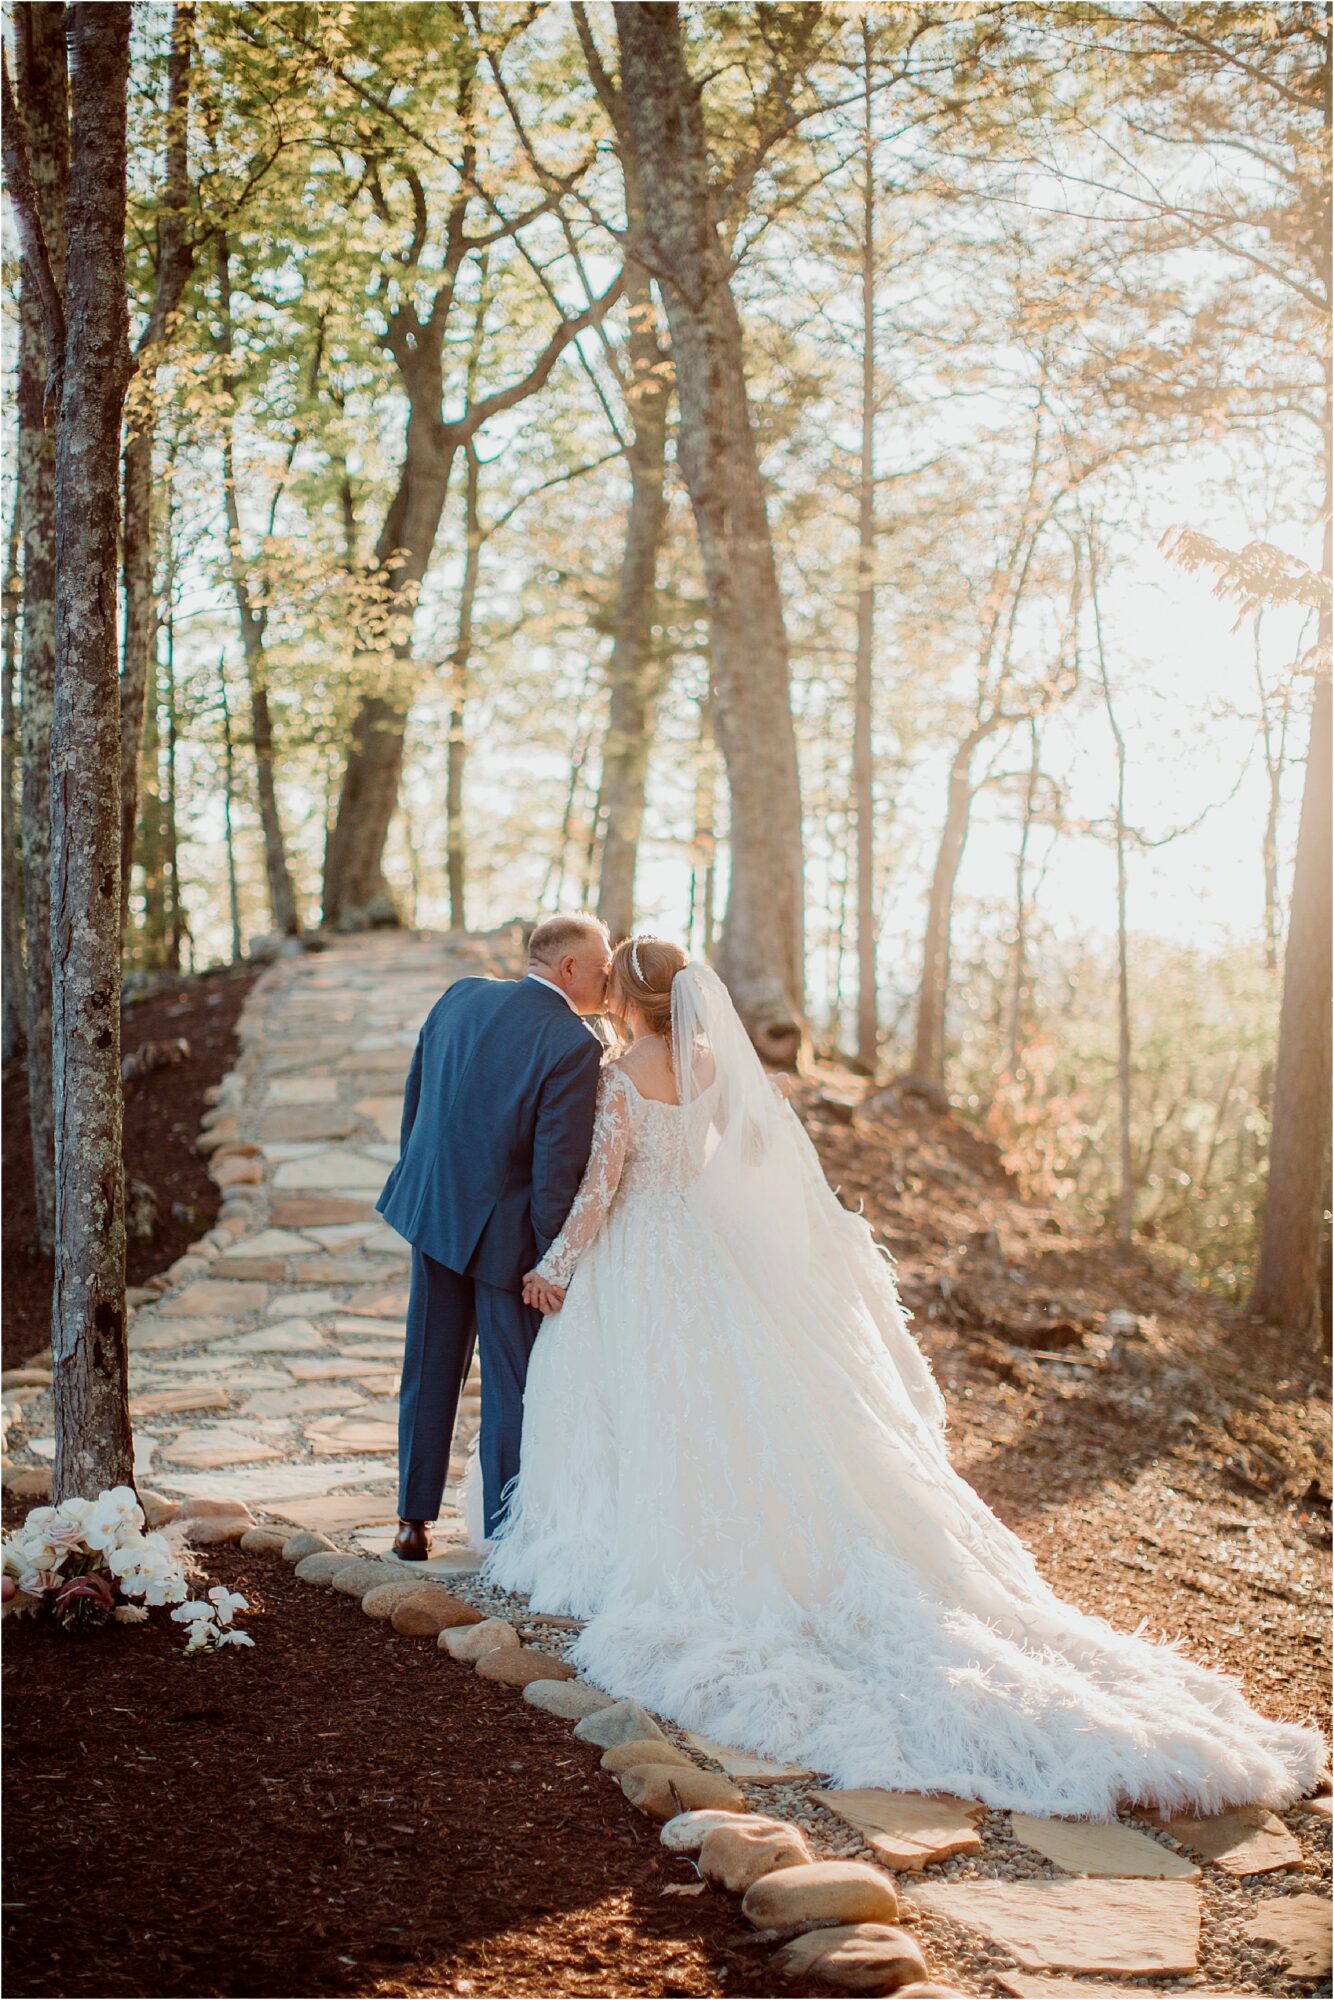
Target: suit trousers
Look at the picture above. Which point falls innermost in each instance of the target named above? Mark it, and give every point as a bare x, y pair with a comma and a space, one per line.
448, 1312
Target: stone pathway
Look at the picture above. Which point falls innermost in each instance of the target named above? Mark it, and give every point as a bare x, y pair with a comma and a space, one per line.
264, 1367
268, 1370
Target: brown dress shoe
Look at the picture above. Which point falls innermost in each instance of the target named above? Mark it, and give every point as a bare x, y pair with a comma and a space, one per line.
412, 1543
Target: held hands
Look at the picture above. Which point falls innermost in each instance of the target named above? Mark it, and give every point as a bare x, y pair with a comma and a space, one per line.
547, 1298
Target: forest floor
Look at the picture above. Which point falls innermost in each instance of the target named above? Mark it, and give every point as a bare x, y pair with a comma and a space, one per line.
367, 1817
162, 1114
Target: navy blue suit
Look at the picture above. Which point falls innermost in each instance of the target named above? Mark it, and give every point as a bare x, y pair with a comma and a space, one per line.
497, 1124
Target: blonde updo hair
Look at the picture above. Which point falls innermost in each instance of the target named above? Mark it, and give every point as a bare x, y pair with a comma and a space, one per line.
650, 989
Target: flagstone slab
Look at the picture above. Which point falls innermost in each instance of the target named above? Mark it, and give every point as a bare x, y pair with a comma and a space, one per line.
1083, 1848
909, 1830
303, 1090
299, 1211
363, 1325
342, 1367
751, 1770
327, 1268
385, 1112
331, 1170
308, 1303
267, 1243
354, 1434
338, 1513
184, 1396
1077, 1925
299, 1399
265, 1486
1051, 1986
214, 1298
389, 1302
218, 1446
302, 1122
1247, 1841
337, 1235
160, 1336
284, 1336
385, 1384
1300, 1926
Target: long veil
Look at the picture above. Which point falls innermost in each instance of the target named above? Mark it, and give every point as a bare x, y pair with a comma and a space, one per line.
755, 1182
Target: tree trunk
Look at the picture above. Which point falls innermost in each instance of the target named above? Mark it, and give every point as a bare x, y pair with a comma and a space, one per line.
1125, 1193
1020, 991
89, 1377
228, 832
761, 952
284, 914
863, 755
40, 36
151, 844
171, 843
705, 841
634, 676
455, 844
1287, 1278
174, 260
12, 971
929, 1046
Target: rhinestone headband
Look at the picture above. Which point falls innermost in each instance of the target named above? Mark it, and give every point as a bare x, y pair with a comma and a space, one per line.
634, 953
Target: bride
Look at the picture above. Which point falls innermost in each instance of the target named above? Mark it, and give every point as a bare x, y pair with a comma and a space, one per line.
734, 1469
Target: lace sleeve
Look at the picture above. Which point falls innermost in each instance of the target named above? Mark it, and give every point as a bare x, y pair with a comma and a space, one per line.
602, 1176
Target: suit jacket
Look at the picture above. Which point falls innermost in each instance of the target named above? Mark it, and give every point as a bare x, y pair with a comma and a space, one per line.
497, 1124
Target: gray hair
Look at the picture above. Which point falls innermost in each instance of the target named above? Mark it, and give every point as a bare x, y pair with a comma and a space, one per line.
555, 936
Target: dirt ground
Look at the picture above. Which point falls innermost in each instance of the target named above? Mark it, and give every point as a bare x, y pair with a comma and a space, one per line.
162, 1114
338, 1810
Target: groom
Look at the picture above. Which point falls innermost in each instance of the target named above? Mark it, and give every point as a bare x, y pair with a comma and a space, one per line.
497, 1125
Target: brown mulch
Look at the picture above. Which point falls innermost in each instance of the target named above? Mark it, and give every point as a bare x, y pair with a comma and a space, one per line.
162, 1114
338, 1810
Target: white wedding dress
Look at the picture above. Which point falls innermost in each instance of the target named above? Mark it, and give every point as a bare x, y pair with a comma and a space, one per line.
734, 1468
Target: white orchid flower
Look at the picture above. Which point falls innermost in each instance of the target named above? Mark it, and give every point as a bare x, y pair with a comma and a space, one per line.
194, 1609
73, 1510
234, 1638
201, 1635
227, 1603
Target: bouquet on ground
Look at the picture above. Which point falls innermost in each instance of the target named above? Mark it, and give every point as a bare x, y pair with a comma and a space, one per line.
87, 1561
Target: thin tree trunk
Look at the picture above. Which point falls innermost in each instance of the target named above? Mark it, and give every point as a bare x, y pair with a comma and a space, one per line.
761, 952
1019, 991
863, 755
151, 843
635, 674
284, 913
174, 260
455, 846
12, 970
929, 1044
1287, 1279
228, 833
90, 1375
1125, 1193
170, 834
705, 845
40, 36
